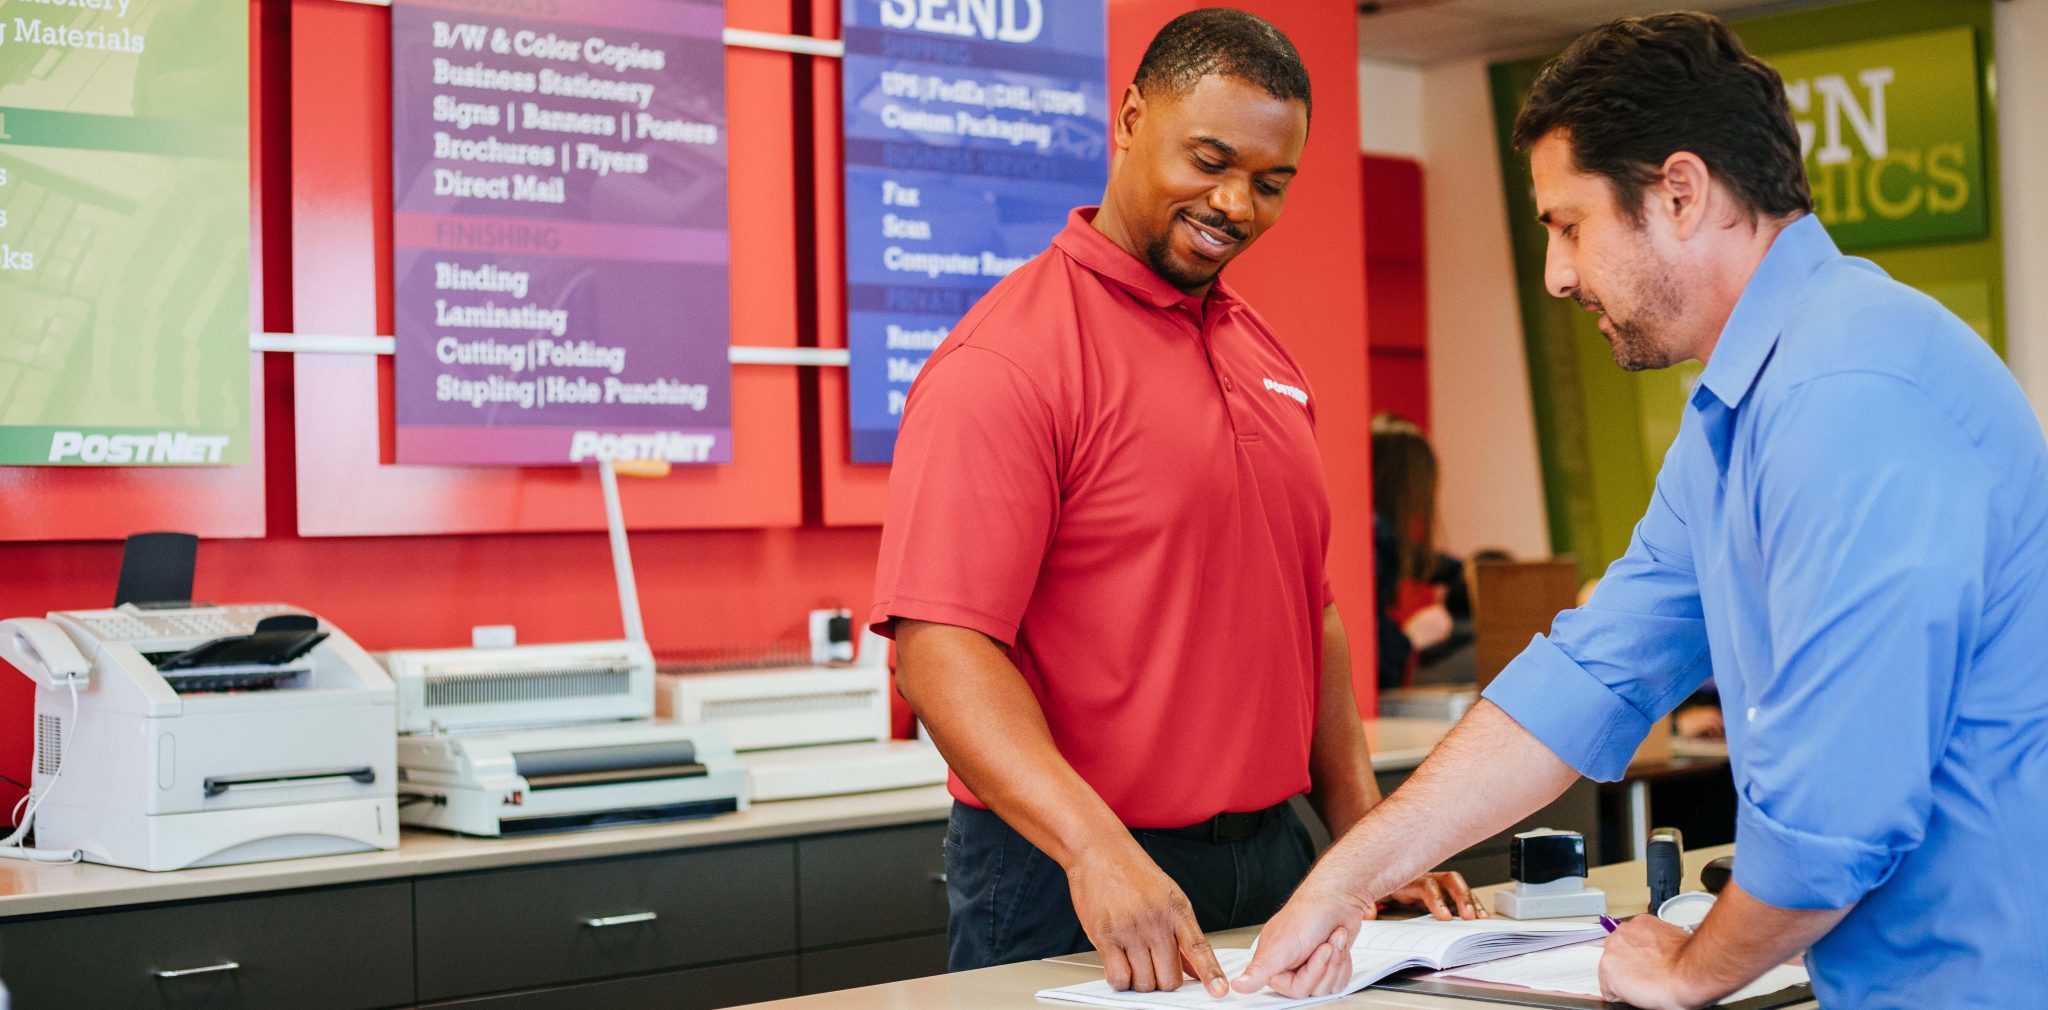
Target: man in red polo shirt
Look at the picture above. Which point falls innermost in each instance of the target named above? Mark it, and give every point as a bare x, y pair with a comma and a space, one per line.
1103, 560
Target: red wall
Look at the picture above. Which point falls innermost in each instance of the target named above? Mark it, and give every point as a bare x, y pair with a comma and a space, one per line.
1396, 287
727, 557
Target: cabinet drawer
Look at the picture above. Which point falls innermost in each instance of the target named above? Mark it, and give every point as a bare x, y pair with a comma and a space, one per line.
340, 949
695, 989
873, 963
870, 885
543, 926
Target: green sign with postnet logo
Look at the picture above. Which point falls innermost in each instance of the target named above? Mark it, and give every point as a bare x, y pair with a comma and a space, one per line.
124, 233
1892, 136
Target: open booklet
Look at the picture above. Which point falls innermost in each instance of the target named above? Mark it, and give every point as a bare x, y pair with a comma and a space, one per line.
1381, 949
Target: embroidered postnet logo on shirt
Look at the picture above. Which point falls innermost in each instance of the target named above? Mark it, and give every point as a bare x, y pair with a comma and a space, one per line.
1295, 393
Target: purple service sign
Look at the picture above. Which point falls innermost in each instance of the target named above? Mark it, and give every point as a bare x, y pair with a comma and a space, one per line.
560, 239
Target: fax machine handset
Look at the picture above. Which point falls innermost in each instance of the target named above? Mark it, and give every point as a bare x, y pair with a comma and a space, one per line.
42, 652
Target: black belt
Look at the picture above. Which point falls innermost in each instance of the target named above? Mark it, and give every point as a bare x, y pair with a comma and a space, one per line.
1225, 827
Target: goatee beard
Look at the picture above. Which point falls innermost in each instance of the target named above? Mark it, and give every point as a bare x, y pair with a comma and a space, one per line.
1156, 255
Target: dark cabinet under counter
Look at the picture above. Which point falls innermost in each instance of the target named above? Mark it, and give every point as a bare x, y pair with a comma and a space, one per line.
342, 948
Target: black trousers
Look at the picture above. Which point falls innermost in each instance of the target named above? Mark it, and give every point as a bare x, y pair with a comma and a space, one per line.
1010, 902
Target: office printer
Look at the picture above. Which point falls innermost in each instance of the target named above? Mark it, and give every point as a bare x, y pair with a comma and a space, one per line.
198, 735
532, 738
806, 731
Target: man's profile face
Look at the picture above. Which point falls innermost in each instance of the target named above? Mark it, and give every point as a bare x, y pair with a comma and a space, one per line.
1202, 175
1607, 261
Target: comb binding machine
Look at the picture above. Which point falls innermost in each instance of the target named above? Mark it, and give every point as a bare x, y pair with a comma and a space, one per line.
525, 739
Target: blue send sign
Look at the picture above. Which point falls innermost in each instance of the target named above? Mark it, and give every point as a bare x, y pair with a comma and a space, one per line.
972, 128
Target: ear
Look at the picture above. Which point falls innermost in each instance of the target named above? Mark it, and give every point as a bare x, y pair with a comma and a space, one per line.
1682, 195
1129, 112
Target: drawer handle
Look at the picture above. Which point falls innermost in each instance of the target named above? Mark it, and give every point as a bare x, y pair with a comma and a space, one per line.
620, 920
182, 972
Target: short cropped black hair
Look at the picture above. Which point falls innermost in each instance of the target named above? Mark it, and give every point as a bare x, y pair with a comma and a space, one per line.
1220, 40
1635, 91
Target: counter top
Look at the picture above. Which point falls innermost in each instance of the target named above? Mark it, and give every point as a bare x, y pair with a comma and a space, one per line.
1401, 744
35, 889
31, 889
1011, 987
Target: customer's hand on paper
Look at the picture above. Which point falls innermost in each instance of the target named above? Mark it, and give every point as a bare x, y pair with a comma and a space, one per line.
1142, 924
1640, 965
1306, 949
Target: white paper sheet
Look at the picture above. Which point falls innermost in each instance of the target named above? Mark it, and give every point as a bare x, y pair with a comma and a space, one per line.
1576, 970
1380, 949
1191, 996
1783, 976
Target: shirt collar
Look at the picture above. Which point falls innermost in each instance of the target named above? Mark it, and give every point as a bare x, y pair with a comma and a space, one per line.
1094, 250
1752, 330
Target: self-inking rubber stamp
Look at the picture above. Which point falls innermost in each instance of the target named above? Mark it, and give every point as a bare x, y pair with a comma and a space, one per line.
1549, 870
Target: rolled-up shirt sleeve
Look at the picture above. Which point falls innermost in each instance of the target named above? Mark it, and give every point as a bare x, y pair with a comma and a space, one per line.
1591, 689
1872, 511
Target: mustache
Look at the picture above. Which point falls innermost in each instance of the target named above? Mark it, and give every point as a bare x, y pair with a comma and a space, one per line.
1217, 222
1587, 302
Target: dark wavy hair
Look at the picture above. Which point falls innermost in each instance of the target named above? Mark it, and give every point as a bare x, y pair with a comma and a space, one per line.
1221, 40
1635, 91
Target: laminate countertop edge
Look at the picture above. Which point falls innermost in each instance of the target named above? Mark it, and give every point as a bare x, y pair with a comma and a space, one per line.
30, 889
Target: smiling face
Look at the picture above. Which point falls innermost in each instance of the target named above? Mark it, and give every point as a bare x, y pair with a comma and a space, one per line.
1609, 261
1199, 176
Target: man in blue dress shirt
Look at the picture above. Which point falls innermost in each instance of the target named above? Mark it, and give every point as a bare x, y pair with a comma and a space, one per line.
1850, 535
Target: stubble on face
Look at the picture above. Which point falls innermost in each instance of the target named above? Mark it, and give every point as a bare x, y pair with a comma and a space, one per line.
1643, 306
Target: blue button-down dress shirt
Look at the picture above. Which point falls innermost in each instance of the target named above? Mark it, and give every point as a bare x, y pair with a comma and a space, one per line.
1850, 534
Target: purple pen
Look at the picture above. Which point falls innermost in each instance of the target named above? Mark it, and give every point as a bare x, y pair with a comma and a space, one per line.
1609, 924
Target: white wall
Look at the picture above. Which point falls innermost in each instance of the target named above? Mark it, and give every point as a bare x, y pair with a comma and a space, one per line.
1481, 420
2020, 29
1390, 108
1481, 417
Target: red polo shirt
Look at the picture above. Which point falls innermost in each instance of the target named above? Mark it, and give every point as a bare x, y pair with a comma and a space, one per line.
1121, 484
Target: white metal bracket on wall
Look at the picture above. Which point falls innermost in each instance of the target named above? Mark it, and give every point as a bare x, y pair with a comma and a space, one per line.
742, 38
318, 343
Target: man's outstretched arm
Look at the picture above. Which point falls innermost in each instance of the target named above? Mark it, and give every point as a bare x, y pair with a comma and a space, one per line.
1486, 775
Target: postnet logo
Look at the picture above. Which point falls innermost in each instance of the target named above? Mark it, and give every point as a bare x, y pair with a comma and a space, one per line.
160, 447
1295, 393
671, 446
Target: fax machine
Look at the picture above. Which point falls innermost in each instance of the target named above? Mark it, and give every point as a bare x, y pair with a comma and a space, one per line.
522, 739
198, 735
